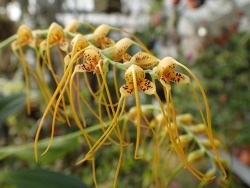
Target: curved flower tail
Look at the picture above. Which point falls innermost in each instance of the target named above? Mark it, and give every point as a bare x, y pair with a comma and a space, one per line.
206, 121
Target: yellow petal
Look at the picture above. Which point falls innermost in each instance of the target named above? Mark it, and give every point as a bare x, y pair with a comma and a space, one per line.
166, 73
196, 155
107, 42
92, 56
165, 83
102, 30
42, 46
147, 87
166, 64
84, 68
67, 59
121, 47
55, 34
126, 57
24, 35
176, 77
64, 45
14, 46
140, 74
126, 90
99, 39
78, 43
72, 26
144, 59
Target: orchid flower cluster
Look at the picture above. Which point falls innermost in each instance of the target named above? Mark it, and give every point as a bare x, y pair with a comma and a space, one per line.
99, 57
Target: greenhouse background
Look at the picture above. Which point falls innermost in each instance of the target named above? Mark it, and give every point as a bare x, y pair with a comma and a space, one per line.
210, 37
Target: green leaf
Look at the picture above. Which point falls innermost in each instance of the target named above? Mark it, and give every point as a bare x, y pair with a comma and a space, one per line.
61, 146
41, 178
10, 105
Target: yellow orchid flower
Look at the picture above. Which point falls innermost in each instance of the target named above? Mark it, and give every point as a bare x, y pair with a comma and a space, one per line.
145, 85
99, 37
92, 57
55, 36
134, 77
118, 51
24, 37
78, 43
166, 72
97, 60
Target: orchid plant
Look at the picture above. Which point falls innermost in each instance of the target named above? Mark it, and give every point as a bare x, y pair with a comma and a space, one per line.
96, 56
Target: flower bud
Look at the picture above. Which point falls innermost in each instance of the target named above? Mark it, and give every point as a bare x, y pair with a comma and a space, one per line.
198, 128
55, 33
78, 43
153, 123
207, 143
24, 35
186, 118
185, 140
196, 155
211, 173
132, 112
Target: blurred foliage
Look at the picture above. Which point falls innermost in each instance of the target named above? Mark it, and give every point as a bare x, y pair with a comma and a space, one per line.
39, 178
225, 74
10, 104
